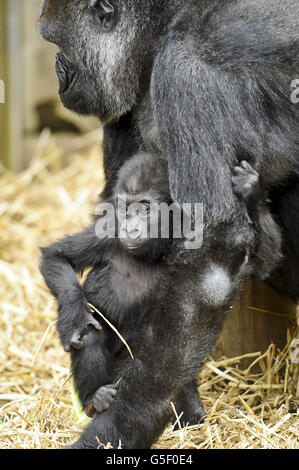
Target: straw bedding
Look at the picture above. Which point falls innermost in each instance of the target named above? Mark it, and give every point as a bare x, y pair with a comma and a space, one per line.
247, 408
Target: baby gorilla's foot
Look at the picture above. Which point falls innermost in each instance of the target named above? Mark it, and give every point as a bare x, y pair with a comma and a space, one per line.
101, 400
246, 182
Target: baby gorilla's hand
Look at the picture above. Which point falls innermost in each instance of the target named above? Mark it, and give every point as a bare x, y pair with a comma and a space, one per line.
77, 339
101, 400
73, 319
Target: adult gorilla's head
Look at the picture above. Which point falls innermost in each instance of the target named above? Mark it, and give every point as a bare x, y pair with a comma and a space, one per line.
107, 49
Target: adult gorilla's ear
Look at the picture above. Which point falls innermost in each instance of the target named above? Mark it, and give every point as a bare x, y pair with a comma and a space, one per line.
105, 13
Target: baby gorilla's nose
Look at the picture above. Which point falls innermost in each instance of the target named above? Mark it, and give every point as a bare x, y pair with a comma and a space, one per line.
133, 230
131, 234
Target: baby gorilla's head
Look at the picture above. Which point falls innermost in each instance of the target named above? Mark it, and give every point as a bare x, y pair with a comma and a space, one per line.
142, 199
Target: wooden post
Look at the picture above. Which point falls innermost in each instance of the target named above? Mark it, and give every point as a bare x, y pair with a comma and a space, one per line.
4, 151
259, 317
11, 72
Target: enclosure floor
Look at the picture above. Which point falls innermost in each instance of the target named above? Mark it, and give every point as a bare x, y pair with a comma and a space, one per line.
246, 409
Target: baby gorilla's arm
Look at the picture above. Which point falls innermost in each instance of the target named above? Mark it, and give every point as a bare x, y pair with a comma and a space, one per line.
246, 182
60, 263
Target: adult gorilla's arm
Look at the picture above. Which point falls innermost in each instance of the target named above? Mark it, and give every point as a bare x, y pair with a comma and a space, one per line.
284, 207
221, 94
121, 142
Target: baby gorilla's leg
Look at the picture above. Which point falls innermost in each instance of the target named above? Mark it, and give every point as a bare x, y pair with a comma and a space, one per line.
101, 400
91, 365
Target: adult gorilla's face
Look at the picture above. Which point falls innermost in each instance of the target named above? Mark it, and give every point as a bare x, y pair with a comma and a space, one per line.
107, 48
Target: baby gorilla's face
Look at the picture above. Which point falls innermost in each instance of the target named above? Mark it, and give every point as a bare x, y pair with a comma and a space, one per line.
140, 228
141, 205
135, 224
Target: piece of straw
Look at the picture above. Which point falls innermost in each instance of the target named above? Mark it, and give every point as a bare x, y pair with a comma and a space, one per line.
113, 328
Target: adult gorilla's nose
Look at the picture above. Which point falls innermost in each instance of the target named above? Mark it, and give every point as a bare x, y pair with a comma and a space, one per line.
52, 8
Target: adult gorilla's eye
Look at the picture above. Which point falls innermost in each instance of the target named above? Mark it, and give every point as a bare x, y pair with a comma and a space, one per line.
105, 13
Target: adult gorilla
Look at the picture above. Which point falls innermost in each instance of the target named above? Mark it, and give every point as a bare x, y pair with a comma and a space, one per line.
206, 84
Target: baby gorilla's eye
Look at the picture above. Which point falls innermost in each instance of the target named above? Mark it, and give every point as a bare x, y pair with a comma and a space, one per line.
145, 209
105, 13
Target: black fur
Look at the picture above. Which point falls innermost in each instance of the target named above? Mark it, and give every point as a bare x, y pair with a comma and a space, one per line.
205, 84
284, 206
123, 284
246, 182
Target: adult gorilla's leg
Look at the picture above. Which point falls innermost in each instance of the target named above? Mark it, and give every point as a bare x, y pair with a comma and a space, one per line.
142, 407
285, 209
189, 405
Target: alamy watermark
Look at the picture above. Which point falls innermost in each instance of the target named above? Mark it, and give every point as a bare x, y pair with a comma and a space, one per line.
151, 221
2, 92
295, 351
295, 92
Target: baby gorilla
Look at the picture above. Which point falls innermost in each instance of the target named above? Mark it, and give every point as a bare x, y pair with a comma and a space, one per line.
246, 182
127, 268
128, 265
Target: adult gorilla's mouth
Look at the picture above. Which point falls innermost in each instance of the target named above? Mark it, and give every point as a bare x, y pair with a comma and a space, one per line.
65, 72
68, 77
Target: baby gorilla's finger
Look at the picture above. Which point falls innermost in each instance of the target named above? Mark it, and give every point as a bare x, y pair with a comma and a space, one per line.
66, 342
237, 179
238, 182
103, 398
248, 168
244, 164
67, 347
240, 171
76, 342
93, 322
